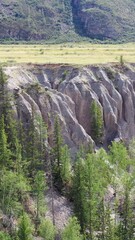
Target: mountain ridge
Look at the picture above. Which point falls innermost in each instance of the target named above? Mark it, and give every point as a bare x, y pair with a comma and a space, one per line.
28, 20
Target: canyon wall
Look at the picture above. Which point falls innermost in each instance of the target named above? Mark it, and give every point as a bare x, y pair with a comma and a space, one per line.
68, 92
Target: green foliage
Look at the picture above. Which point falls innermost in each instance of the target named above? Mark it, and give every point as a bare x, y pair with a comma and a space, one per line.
47, 230
3, 96
105, 19
119, 156
39, 191
13, 188
35, 144
25, 228
60, 20
65, 165
79, 192
72, 230
4, 236
96, 122
121, 60
35, 20
58, 142
5, 153
61, 159
91, 178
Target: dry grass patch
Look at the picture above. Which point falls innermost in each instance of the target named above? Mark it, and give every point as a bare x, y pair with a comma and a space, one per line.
76, 53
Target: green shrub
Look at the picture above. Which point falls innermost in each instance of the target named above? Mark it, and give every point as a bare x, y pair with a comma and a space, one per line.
4, 236
47, 230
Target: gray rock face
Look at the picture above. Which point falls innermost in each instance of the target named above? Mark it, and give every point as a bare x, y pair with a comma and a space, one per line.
68, 92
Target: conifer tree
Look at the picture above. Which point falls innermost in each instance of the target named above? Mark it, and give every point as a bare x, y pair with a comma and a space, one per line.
58, 142
3, 80
127, 215
5, 153
4, 236
47, 230
65, 165
93, 188
39, 190
42, 140
18, 165
119, 156
5, 101
57, 147
25, 228
89, 184
32, 147
96, 122
79, 192
72, 230
6, 112
12, 188
110, 228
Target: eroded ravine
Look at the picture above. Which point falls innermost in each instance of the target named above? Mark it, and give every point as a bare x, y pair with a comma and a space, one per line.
68, 92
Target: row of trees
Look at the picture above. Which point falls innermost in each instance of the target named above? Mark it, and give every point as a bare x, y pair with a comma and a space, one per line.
24, 162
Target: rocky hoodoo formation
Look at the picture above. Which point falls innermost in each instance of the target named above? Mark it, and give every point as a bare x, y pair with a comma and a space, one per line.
68, 91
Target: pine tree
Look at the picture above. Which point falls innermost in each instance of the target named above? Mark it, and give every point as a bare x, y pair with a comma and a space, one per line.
127, 214
65, 165
5, 152
4, 236
72, 230
111, 229
43, 135
6, 113
5, 101
119, 156
58, 142
3, 79
57, 147
96, 122
39, 190
18, 165
47, 230
32, 147
25, 228
93, 188
13, 188
79, 192
89, 184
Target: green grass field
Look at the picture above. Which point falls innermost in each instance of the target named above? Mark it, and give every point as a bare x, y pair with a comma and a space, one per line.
76, 53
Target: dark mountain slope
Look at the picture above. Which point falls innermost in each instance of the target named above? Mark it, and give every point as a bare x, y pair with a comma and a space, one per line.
49, 19
34, 19
103, 19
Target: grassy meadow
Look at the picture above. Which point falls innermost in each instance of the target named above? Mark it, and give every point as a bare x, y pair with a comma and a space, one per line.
70, 53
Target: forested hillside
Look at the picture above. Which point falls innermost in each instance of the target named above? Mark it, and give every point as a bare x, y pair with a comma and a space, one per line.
34, 19
35, 158
66, 19
103, 19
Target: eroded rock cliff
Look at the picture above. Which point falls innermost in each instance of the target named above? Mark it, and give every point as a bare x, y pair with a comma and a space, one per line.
68, 91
